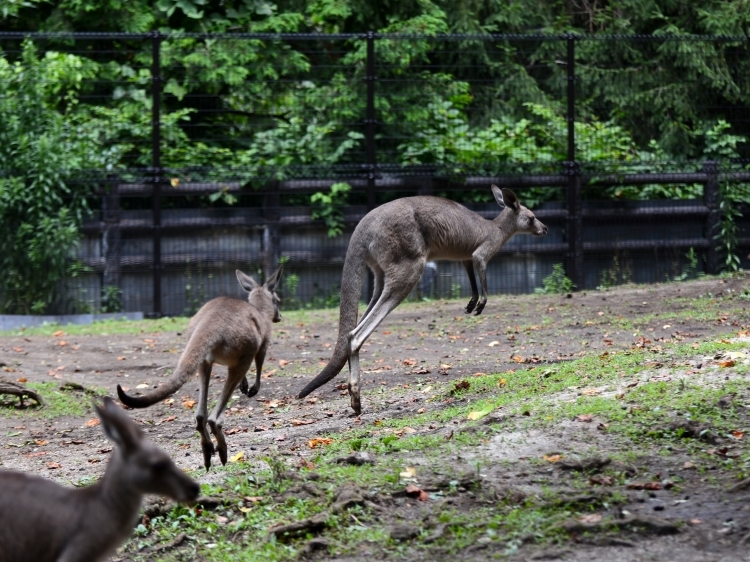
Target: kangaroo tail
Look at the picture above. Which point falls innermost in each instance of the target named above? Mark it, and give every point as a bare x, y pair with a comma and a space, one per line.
351, 288
188, 365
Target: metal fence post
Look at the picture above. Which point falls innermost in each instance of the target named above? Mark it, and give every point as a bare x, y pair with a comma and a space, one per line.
272, 229
111, 241
572, 169
711, 199
370, 139
156, 80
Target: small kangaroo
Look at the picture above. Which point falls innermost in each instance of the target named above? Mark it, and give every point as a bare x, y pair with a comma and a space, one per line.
395, 241
45, 522
229, 332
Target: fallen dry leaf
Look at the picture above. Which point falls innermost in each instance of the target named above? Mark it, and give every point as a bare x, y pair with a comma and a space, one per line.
416, 492
23, 379
92, 422
502, 382
726, 363
269, 374
302, 422
478, 414
142, 385
409, 472
410, 362
189, 404
589, 392
18, 349
238, 457
318, 441
738, 434
584, 417
221, 520
283, 363
590, 518
644, 486
58, 334
40, 442
421, 411
552, 458
53, 465
121, 358
62, 343
517, 358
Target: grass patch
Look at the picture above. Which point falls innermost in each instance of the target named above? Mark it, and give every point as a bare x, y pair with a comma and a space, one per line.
57, 402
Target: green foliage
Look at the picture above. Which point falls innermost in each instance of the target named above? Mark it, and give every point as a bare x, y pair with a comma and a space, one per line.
556, 282
290, 300
40, 208
723, 147
111, 300
328, 206
690, 269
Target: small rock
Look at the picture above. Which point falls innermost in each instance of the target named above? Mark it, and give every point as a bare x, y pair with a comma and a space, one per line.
356, 459
348, 496
403, 532
585, 464
316, 544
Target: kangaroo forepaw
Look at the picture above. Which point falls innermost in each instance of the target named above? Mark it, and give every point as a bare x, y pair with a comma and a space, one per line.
471, 305
248, 390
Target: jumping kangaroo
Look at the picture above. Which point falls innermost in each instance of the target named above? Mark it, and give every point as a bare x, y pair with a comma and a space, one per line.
45, 522
229, 332
395, 241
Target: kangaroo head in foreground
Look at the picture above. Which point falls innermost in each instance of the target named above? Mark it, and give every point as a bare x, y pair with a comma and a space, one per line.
395, 241
229, 332
45, 522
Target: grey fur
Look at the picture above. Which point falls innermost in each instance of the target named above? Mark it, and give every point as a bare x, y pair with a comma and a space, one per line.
41, 521
229, 332
395, 241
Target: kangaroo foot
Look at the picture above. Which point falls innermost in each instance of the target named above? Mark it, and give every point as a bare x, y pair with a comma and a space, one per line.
221, 443
471, 305
356, 403
208, 452
480, 308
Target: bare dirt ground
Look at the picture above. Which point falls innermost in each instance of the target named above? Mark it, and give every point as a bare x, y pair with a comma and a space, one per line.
418, 345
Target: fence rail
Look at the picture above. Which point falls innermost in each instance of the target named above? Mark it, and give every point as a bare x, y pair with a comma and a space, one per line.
143, 224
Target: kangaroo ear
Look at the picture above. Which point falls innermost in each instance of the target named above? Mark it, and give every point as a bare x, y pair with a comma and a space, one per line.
511, 200
273, 281
117, 426
246, 282
498, 196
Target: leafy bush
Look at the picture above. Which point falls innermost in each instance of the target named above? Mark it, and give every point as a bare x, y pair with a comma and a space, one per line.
556, 282
40, 147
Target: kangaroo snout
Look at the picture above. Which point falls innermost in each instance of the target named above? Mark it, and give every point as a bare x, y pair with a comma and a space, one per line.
540, 229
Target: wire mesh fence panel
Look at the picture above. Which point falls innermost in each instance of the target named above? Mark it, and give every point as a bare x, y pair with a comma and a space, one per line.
178, 158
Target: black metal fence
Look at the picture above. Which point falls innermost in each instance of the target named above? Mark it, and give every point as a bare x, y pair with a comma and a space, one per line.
220, 141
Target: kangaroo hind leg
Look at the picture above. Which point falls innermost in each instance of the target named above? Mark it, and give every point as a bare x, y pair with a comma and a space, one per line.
200, 416
469, 267
216, 419
394, 292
